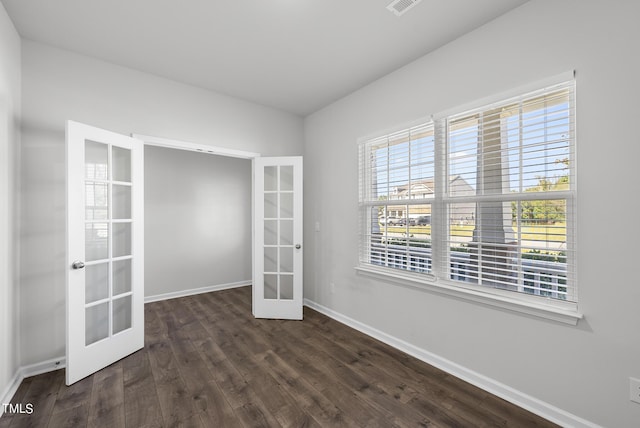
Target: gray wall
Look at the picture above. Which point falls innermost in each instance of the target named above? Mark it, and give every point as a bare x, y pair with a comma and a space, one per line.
197, 220
9, 141
58, 85
584, 369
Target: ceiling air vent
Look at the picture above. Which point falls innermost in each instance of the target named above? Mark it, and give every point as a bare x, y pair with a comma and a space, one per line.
399, 7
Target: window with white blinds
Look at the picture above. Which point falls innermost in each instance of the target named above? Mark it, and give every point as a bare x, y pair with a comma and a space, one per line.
482, 198
397, 190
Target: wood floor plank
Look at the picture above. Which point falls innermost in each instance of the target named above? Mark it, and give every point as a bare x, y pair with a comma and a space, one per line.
284, 407
18, 398
176, 402
341, 364
207, 362
309, 398
239, 342
72, 404
215, 410
154, 329
42, 394
204, 392
107, 397
426, 380
249, 406
141, 405
435, 399
368, 390
272, 395
163, 363
344, 394
78, 394
73, 417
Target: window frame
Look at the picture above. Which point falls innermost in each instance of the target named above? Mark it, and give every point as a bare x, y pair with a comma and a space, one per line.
553, 309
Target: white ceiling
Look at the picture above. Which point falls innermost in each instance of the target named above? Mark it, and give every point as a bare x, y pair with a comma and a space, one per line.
296, 55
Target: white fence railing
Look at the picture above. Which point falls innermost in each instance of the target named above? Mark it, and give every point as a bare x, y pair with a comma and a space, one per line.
538, 277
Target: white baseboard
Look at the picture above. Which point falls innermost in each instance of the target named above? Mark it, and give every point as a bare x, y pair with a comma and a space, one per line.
193, 291
501, 390
28, 371
43, 367
10, 390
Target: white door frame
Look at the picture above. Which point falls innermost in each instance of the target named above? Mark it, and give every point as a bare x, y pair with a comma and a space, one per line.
194, 147
223, 151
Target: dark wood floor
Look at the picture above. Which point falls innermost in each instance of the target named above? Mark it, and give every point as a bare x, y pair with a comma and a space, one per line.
208, 363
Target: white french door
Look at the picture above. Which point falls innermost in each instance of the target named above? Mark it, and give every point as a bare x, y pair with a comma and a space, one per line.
277, 258
105, 240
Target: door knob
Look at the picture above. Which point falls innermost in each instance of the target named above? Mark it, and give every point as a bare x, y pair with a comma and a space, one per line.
77, 264
298, 246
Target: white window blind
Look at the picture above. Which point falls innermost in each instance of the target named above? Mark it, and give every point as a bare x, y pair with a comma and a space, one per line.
396, 194
494, 188
519, 157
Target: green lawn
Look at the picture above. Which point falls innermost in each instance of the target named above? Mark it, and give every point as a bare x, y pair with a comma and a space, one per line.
549, 232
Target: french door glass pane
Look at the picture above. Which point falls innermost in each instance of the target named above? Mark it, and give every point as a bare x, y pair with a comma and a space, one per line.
270, 205
286, 287
271, 232
270, 178
121, 164
286, 205
96, 282
286, 232
270, 286
271, 259
121, 276
286, 178
286, 259
121, 239
96, 241
121, 314
96, 200
96, 323
96, 159
121, 201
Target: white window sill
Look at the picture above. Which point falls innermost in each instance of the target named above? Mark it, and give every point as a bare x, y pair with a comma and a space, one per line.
550, 309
